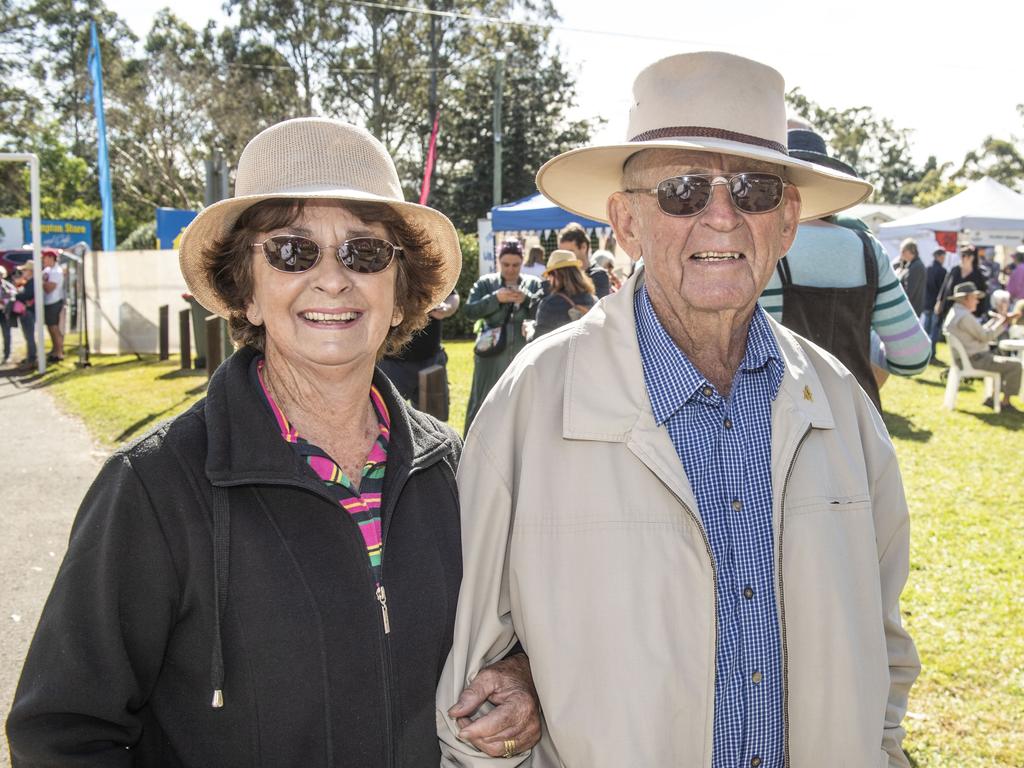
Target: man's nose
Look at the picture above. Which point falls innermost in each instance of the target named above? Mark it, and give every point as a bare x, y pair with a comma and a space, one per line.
720, 212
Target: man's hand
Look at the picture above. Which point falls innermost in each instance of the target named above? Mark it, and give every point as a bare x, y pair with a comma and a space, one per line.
508, 684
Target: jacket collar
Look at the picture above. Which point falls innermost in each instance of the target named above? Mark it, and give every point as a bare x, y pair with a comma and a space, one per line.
245, 445
603, 348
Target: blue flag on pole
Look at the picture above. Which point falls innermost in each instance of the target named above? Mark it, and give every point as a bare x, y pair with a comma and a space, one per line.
103, 160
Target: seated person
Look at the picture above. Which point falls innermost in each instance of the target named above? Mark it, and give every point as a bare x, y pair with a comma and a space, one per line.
975, 337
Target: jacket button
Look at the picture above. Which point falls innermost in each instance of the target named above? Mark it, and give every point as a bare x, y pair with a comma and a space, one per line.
737, 504
748, 592
755, 761
727, 423
756, 677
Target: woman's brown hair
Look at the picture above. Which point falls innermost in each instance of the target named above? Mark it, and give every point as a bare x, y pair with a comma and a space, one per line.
420, 267
571, 281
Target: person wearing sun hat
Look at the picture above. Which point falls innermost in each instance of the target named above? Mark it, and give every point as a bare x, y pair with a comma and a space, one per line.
571, 296
690, 516
271, 577
976, 337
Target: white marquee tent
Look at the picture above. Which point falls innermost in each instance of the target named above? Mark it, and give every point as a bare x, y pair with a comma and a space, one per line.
986, 213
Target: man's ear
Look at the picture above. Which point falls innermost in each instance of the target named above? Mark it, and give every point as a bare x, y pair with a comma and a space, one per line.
624, 224
791, 207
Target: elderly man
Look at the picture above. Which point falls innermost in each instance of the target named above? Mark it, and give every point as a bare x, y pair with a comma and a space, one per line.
691, 518
975, 338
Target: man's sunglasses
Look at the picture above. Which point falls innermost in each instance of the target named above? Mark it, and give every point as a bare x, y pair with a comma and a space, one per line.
690, 194
293, 253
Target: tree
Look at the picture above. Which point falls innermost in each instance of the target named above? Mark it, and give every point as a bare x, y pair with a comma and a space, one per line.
997, 158
872, 145
306, 33
933, 186
537, 91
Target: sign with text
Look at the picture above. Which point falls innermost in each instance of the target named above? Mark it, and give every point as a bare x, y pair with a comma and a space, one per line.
60, 233
170, 223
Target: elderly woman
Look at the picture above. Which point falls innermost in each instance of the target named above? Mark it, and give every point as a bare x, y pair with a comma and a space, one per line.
501, 301
571, 295
271, 578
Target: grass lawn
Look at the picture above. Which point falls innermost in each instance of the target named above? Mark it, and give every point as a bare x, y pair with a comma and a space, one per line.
964, 477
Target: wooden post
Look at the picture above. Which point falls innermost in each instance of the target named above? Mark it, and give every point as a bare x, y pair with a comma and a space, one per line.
214, 345
185, 339
165, 332
433, 388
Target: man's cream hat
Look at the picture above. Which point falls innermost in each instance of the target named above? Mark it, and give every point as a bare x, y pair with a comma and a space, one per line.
311, 158
701, 102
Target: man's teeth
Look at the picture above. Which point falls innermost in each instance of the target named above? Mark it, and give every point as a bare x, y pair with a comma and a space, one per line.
336, 317
717, 255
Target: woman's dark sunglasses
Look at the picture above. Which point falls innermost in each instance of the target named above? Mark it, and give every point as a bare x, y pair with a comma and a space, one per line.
293, 253
690, 194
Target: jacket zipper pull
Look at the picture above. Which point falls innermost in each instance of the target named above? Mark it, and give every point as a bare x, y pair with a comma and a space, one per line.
382, 598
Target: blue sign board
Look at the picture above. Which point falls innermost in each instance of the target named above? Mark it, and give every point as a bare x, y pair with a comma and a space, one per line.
60, 233
170, 223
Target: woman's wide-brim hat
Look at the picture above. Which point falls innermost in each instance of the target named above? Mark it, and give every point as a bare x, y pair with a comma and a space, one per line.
699, 102
561, 259
311, 158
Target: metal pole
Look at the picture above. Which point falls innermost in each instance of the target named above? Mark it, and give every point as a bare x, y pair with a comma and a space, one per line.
37, 261
499, 83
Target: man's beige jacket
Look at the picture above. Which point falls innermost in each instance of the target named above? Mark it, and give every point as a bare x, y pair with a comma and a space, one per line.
582, 538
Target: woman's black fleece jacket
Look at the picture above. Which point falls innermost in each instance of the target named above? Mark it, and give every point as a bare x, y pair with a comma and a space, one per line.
123, 665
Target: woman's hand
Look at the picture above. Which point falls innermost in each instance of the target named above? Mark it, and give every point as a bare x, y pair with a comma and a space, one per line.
515, 719
510, 296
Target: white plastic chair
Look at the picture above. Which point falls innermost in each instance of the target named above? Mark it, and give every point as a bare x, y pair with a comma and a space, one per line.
960, 368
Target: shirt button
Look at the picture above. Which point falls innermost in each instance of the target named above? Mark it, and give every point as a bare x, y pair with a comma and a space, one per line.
748, 592
756, 677
728, 423
707, 392
737, 504
755, 761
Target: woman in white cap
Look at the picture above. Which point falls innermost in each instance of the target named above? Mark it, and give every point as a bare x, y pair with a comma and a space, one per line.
571, 295
271, 578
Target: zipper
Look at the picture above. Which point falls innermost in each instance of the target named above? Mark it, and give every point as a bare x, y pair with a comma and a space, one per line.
781, 597
382, 598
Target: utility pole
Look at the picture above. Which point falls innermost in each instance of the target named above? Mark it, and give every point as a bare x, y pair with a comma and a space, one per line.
216, 178
499, 84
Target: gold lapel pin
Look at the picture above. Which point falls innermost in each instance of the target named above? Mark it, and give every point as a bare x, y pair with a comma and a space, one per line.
807, 394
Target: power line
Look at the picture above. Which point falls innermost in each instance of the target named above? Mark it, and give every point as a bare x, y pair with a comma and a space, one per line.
497, 20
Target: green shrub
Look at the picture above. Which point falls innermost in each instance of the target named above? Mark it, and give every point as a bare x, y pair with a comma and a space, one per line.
459, 326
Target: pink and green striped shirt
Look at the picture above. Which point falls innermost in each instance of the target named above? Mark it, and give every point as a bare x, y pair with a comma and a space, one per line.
362, 505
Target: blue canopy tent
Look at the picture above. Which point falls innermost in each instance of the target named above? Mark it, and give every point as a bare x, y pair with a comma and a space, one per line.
536, 213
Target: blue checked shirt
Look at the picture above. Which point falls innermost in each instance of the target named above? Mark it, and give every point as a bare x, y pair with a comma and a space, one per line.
724, 445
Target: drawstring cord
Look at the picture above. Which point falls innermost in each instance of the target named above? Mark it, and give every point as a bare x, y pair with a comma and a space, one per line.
221, 542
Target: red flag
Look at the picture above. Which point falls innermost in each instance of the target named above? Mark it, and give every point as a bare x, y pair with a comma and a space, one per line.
428, 168
946, 241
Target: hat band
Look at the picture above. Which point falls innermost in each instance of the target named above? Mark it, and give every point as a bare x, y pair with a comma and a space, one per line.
700, 132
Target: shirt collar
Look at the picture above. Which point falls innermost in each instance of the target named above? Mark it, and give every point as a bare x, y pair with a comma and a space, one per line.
672, 380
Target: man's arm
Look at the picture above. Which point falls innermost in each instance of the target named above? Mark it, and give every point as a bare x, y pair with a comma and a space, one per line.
483, 622
446, 308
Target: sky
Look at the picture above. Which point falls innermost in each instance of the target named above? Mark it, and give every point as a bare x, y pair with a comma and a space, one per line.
940, 69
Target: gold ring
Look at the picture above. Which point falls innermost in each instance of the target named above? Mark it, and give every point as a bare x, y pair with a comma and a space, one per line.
510, 747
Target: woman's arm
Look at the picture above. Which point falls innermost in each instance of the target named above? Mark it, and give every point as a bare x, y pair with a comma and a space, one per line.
102, 635
483, 299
